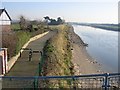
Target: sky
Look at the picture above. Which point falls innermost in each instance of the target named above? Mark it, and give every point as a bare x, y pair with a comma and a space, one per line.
82, 11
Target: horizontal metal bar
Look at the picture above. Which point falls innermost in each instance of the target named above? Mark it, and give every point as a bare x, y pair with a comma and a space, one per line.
114, 74
52, 77
36, 51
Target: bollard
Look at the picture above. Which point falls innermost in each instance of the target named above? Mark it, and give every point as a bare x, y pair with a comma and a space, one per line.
39, 69
30, 55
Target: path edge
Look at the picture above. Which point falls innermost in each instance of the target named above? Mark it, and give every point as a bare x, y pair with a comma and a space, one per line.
12, 61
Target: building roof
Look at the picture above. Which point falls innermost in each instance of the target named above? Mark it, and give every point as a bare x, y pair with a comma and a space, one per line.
3, 10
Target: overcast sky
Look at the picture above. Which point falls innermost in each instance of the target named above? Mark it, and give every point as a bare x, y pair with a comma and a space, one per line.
94, 12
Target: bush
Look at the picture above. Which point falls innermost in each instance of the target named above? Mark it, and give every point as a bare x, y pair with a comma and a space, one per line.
9, 41
14, 41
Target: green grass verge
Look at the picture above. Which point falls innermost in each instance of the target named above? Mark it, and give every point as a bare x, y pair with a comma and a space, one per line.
22, 38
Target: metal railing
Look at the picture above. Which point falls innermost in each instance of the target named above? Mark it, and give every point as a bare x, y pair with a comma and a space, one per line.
30, 52
82, 82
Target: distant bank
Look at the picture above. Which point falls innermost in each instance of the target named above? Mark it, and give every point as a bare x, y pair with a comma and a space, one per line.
112, 27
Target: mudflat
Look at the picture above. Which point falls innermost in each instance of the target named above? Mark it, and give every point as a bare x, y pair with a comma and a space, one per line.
82, 61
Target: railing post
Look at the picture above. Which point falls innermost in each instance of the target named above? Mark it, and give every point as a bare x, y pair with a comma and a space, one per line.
74, 84
36, 83
106, 81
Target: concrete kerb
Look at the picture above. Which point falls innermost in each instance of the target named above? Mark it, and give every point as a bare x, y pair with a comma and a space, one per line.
12, 61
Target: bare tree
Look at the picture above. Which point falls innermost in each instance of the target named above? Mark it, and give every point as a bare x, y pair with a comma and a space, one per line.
23, 23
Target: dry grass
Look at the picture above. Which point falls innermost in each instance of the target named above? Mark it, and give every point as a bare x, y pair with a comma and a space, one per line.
57, 54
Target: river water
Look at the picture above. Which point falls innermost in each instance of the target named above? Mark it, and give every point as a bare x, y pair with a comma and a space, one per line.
102, 45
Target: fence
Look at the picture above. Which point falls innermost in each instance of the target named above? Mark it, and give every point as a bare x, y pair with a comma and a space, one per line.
81, 82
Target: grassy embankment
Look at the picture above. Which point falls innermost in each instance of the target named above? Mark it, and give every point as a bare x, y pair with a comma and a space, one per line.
16, 39
57, 57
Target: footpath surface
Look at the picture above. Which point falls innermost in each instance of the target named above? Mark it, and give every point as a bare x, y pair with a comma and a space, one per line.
24, 67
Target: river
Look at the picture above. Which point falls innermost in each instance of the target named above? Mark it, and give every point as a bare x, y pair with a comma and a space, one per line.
102, 45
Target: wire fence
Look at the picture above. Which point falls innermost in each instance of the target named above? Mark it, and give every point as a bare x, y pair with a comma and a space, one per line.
81, 82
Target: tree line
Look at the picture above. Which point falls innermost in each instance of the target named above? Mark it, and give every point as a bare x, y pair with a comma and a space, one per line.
51, 21
28, 25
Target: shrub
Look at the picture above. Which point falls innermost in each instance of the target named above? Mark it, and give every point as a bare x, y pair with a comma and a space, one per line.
14, 41
9, 41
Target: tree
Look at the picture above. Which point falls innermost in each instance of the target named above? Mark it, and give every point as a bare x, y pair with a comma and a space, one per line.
59, 20
34, 22
30, 27
47, 17
23, 23
53, 21
41, 24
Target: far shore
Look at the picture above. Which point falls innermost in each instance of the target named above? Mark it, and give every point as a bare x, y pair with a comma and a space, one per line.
83, 62
110, 27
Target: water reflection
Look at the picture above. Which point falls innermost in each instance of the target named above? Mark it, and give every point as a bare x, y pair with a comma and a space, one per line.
102, 45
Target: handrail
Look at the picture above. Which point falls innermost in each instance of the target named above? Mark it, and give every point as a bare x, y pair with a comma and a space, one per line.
105, 81
76, 76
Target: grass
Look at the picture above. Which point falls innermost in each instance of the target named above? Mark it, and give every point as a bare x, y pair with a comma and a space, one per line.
23, 37
15, 27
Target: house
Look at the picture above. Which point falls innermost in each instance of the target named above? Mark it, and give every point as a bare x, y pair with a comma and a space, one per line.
3, 61
5, 21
